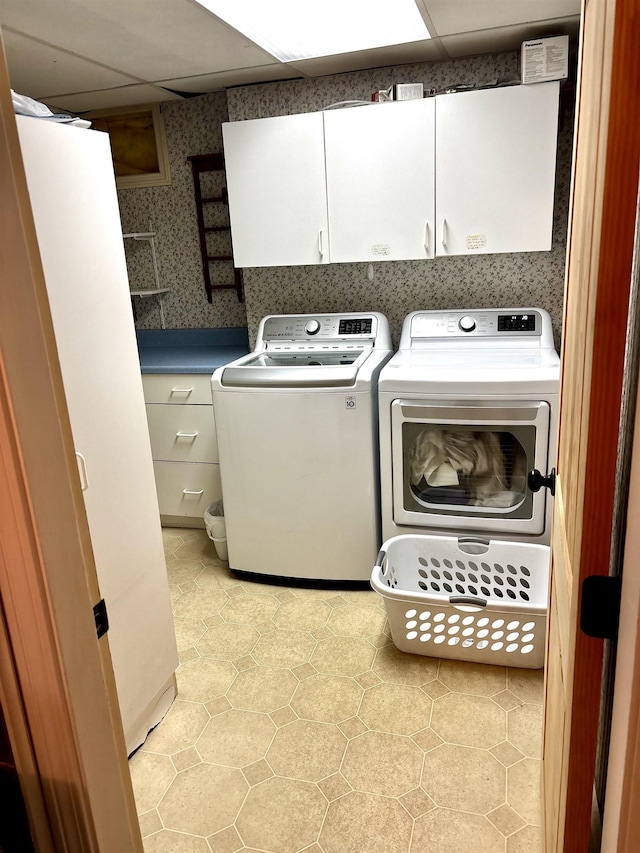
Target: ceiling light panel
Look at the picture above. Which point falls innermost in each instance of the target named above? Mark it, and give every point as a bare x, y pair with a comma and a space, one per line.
290, 31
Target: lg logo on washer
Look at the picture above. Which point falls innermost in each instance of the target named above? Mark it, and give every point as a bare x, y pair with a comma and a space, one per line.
349, 402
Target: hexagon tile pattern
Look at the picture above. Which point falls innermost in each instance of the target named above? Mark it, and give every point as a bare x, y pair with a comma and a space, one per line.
300, 727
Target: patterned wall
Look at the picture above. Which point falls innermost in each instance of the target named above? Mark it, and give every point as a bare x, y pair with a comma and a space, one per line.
398, 287
193, 126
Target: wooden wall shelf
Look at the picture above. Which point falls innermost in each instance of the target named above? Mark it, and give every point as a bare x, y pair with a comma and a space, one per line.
200, 164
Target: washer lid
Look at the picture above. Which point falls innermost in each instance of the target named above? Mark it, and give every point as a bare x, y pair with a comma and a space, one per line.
296, 369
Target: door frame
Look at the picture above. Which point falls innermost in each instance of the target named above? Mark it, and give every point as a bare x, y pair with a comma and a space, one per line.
56, 681
621, 814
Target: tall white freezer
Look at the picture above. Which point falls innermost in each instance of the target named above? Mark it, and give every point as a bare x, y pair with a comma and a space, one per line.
75, 208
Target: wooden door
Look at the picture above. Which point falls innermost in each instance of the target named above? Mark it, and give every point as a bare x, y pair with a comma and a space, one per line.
495, 169
277, 190
601, 235
381, 181
56, 682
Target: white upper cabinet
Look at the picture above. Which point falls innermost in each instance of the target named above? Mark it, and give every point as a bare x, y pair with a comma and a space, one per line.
461, 174
495, 169
277, 190
380, 181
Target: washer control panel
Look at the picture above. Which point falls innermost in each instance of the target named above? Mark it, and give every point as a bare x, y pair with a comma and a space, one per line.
320, 327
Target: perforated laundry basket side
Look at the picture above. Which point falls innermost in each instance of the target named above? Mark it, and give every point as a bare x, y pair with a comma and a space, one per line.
482, 601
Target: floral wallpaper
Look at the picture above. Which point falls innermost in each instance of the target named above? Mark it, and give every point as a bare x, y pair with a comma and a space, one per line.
533, 279
192, 126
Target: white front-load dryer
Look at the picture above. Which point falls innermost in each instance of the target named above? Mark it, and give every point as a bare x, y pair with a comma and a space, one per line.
297, 428
468, 408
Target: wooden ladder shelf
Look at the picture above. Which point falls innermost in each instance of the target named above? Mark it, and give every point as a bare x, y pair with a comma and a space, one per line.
201, 163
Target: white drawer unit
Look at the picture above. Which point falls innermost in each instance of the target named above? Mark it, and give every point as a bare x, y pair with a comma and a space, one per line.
186, 489
182, 433
183, 444
178, 388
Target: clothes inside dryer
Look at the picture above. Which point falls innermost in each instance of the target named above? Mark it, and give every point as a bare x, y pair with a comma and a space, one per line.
473, 470
468, 467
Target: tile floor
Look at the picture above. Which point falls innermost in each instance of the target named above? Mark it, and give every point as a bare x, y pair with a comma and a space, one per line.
300, 727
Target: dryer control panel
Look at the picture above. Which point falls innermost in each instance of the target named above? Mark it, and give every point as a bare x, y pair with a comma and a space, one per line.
482, 323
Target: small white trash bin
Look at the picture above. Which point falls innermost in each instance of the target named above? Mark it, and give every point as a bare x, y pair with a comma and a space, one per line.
216, 529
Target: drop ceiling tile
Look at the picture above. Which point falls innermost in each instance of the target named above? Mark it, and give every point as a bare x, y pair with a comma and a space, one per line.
419, 51
466, 16
506, 38
124, 96
225, 79
37, 70
148, 40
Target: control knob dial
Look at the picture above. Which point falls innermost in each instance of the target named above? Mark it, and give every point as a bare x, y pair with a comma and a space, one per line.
466, 324
312, 327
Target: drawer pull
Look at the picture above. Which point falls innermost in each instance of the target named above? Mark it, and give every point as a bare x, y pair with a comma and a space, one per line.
191, 492
181, 390
186, 434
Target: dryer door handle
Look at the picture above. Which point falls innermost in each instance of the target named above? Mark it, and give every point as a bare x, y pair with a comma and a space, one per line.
537, 481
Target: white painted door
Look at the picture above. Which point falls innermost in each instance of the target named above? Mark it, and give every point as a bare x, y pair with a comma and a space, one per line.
277, 190
75, 208
495, 169
380, 181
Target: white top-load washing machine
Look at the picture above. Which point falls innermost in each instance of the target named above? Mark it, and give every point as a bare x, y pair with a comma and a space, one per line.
297, 430
468, 409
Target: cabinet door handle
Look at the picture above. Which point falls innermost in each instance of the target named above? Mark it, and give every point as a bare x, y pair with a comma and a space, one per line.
82, 470
426, 236
181, 390
444, 233
191, 492
320, 243
186, 434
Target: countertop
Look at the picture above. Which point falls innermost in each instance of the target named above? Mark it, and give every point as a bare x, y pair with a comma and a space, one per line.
189, 350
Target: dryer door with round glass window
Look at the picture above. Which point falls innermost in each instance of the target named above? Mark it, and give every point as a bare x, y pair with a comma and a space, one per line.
464, 466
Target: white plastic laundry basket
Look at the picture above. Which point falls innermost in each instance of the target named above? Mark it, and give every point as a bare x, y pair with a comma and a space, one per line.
468, 599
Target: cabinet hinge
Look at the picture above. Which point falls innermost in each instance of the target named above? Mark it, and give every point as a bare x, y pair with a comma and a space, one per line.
600, 609
101, 618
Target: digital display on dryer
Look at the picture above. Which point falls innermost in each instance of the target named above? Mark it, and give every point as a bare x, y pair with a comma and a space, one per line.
517, 323
356, 326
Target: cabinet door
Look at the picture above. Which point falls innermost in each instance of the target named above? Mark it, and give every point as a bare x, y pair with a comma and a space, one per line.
380, 181
277, 191
495, 169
